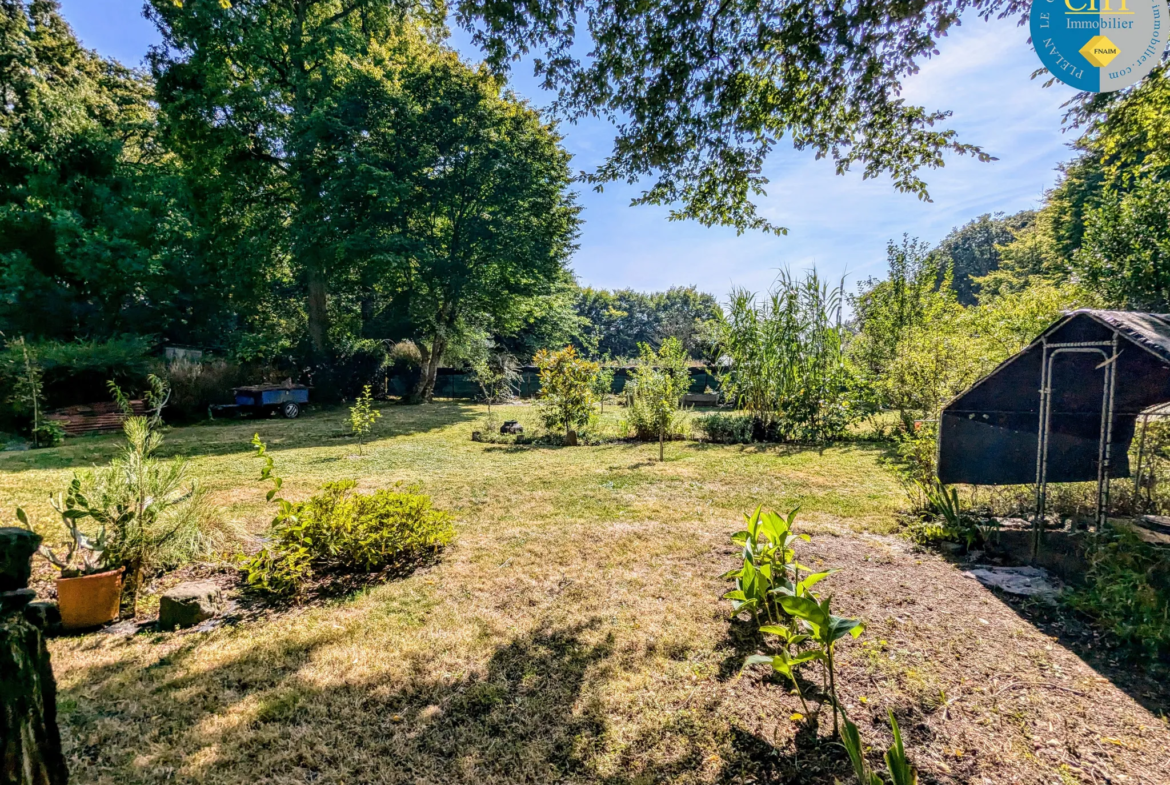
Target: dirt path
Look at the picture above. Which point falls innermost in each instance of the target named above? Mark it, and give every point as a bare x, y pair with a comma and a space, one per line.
984, 694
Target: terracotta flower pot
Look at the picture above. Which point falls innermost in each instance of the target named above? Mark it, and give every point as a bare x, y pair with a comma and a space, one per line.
90, 600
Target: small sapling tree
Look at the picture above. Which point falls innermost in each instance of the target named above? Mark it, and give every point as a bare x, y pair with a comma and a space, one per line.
362, 416
566, 393
660, 382
602, 385
496, 376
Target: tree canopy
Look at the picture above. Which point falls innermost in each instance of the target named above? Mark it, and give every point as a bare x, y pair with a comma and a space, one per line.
702, 92
92, 224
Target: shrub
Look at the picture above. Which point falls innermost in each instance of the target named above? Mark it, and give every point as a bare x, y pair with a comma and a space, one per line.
566, 394
405, 354
48, 433
341, 531
76, 372
1127, 590
196, 386
726, 427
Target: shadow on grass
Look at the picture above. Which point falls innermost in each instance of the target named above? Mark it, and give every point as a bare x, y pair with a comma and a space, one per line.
321, 427
1133, 672
522, 718
300, 710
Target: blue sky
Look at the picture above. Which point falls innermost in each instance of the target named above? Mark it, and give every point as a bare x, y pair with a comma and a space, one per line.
840, 224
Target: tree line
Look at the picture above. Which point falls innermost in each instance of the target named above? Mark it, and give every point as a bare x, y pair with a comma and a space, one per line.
944, 316
287, 180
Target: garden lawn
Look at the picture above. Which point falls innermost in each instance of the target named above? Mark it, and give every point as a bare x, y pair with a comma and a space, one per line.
574, 631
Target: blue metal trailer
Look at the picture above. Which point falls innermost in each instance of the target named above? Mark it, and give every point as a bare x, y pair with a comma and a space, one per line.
267, 399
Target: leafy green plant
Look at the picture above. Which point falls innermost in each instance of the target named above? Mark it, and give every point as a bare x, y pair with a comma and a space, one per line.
943, 518
945, 502
825, 630
726, 427
566, 390
362, 416
338, 530
900, 770
769, 585
769, 566
153, 514
84, 554
49, 433
1127, 590
656, 390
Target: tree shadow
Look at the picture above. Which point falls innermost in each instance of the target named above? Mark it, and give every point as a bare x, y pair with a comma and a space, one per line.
524, 716
217, 438
1145, 680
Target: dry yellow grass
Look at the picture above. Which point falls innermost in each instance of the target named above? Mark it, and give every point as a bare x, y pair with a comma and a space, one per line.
574, 632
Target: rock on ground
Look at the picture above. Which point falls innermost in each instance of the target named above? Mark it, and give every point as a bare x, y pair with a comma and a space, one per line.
188, 604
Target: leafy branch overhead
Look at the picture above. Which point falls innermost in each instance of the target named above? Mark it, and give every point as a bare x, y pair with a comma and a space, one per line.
701, 93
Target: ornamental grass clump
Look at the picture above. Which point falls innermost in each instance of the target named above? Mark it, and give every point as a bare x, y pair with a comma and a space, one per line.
785, 360
340, 531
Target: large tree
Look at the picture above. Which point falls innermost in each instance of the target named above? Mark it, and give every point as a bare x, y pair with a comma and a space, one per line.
247, 89
973, 250
451, 193
617, 322
94, 230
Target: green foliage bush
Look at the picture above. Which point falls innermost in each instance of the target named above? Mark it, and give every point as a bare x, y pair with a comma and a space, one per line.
655, 391
726, 427
566, 389
48, 433
76, 372
338, 530
196, 386
1127, 590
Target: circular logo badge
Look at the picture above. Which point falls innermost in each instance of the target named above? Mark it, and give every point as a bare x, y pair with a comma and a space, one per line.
1099, 45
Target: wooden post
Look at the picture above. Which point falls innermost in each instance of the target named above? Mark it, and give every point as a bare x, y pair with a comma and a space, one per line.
30, 743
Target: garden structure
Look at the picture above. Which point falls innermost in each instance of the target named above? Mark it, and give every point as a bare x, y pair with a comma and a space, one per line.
1064, 409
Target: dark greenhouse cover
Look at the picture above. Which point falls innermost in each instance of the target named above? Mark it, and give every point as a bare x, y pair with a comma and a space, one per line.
988, 435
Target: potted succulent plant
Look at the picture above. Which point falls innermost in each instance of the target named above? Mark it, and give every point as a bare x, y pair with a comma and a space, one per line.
89, 593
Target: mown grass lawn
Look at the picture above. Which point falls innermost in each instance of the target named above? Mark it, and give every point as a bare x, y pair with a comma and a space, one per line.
574, 631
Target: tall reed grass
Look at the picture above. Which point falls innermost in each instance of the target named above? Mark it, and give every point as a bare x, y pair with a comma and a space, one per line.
784, 359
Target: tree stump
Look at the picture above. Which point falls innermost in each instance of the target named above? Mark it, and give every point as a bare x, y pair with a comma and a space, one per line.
30, 743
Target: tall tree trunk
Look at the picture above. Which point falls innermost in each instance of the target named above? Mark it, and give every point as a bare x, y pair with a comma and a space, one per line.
318, 311
424, 390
